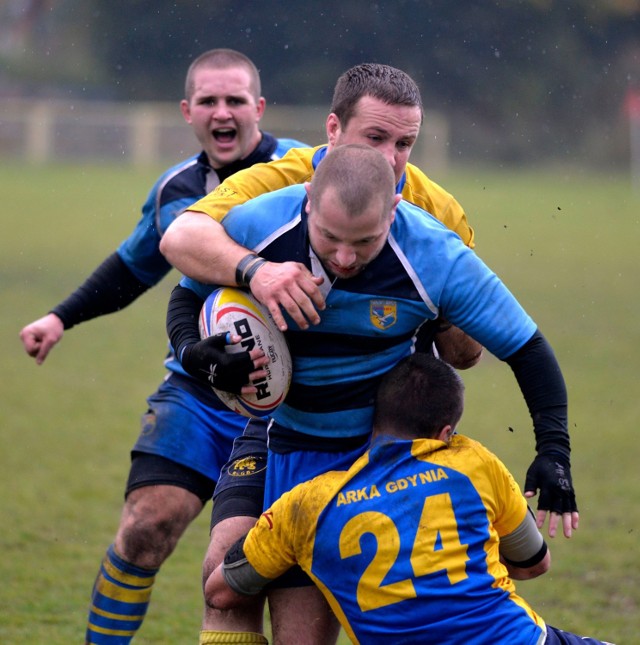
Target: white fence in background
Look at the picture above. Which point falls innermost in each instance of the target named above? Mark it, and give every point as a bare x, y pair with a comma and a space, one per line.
45, 131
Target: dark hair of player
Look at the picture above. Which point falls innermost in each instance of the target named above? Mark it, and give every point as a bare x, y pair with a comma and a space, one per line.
418, 397
383, 82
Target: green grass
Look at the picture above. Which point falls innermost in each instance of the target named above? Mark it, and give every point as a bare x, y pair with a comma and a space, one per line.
564, 244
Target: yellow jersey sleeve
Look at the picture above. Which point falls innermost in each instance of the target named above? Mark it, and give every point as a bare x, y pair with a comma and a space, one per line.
285, 533
502, 497
270, 545
431, 197
294, 168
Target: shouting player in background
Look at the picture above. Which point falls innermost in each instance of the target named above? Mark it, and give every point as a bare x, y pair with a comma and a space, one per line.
187, 433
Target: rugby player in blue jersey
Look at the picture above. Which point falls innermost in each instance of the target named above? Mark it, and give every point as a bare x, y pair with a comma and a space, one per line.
374, 104
384, 268
186, 433
418, 542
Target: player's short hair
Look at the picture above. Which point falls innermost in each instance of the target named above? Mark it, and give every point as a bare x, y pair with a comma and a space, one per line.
418, 397
223, 59
383, 82
359, 174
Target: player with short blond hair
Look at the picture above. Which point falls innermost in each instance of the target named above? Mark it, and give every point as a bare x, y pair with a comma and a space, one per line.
186, 432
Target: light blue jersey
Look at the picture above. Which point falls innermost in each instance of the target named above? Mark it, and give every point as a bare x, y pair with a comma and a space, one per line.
370, 321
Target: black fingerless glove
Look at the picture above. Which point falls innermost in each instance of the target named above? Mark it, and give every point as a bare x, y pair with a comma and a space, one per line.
551, 474
208, 361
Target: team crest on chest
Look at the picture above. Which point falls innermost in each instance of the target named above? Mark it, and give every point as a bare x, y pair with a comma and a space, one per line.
383, 313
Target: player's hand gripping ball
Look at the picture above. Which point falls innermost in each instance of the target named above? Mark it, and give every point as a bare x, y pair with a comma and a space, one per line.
228, 309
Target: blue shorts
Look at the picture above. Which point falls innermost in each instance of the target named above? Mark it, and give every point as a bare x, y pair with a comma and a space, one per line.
284, 471
187, 424
254, 467
246, 473
556, 636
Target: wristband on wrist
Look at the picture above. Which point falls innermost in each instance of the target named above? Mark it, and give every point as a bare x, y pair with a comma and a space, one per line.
253, 268
247, 268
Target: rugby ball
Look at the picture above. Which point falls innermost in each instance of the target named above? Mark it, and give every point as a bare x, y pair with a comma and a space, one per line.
228, 309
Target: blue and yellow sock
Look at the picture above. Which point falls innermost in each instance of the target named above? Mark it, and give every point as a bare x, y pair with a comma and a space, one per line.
119, 601
211, 637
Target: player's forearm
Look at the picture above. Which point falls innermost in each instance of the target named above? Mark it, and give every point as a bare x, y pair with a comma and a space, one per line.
233, 581
218, 594
528, 573
200, 248
109, 288
182, 318
543, 387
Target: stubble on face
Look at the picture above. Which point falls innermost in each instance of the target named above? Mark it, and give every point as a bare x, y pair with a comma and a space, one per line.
347, 243
390, 129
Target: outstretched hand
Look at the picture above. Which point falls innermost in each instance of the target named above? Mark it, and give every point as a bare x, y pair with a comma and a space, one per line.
551, 474
292, 287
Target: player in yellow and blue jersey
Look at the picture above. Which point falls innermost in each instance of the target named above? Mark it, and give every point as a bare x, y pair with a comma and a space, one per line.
419, 541
187, 432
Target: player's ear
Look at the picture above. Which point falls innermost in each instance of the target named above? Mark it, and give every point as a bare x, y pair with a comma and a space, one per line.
260, 107
333, 128
445, 433
307, 187
397, 199
186, 110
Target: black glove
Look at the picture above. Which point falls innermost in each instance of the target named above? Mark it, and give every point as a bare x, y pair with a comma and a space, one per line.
552, 475
208, 361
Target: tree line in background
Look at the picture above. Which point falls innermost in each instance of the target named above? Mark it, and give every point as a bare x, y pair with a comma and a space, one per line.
518, 80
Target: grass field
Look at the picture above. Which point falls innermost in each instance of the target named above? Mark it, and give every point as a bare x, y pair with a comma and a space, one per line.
564, 243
